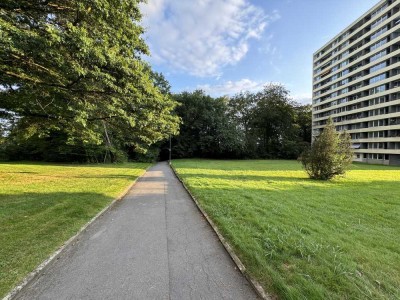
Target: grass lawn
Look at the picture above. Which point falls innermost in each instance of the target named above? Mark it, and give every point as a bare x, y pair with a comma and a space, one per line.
301, 238
43, 205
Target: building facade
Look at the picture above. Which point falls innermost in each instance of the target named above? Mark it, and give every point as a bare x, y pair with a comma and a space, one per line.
356, 82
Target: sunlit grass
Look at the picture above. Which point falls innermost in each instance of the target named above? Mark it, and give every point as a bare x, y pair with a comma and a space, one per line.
301, 238
43, 205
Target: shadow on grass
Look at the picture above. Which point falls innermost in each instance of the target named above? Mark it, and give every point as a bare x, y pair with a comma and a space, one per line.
33, 225
31, 205
111, 176
127, 165
236, 177
273, 178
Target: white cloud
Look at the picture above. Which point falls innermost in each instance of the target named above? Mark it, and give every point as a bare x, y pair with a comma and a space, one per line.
200, 37
303, 98
232, 87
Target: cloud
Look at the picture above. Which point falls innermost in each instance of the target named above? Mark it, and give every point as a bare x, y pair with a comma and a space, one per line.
303, 98
200, 37
232, 87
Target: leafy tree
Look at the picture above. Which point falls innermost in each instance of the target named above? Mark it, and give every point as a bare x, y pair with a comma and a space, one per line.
266, 124
273, 120
206, 129
304, 122
241, 111
330, 154
273, 126
74, 67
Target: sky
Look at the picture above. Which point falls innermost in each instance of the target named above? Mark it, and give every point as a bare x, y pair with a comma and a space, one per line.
227, 46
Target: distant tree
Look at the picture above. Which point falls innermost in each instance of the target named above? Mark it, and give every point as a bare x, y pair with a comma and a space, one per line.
330, 154
241, 112
304, 122
272, 124
273, 120
206, 130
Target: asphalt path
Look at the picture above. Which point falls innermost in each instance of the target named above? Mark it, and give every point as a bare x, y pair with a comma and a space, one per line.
154, 244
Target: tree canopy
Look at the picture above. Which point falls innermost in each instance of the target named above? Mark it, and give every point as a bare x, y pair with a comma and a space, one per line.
206, 129
272, 125
266, 124
75, 67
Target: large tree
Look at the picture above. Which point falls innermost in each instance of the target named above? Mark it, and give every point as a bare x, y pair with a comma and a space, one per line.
206, 130
75, 66
273, 119
272, 124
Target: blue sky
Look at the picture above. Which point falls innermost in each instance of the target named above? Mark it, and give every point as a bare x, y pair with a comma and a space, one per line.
227, 46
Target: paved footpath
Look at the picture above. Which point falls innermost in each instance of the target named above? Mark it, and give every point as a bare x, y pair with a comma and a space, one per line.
154, 244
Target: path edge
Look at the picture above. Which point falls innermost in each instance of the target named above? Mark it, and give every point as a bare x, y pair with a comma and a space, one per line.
56, 254
254, 283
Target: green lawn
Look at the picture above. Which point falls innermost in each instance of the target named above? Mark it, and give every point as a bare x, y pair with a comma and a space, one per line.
301, 238
43, 205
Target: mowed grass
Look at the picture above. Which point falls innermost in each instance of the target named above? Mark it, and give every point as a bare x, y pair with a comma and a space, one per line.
43, 205
301, 238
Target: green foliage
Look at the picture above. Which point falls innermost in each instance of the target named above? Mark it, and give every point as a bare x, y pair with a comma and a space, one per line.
330, 154
304, 122
75, 67
248, 125
272, 125
206, 129
151, 155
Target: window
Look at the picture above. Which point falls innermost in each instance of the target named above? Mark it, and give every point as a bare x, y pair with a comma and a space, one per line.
379, 10
377, 78
379, 32
376, 101
378, 44
378, 67
378, 55
345, 44
378, 21
377, 89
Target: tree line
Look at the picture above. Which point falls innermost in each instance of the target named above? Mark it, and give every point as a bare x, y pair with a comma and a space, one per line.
264, 124
74, 87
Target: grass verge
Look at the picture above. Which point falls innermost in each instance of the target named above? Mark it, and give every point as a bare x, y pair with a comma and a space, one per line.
301, 238
43, 205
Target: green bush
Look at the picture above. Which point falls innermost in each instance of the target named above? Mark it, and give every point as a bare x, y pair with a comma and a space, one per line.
330, 154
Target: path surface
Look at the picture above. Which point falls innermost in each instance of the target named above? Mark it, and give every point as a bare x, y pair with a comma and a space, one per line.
152, 245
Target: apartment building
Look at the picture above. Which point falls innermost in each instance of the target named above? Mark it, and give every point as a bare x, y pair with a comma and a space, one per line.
356, 82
